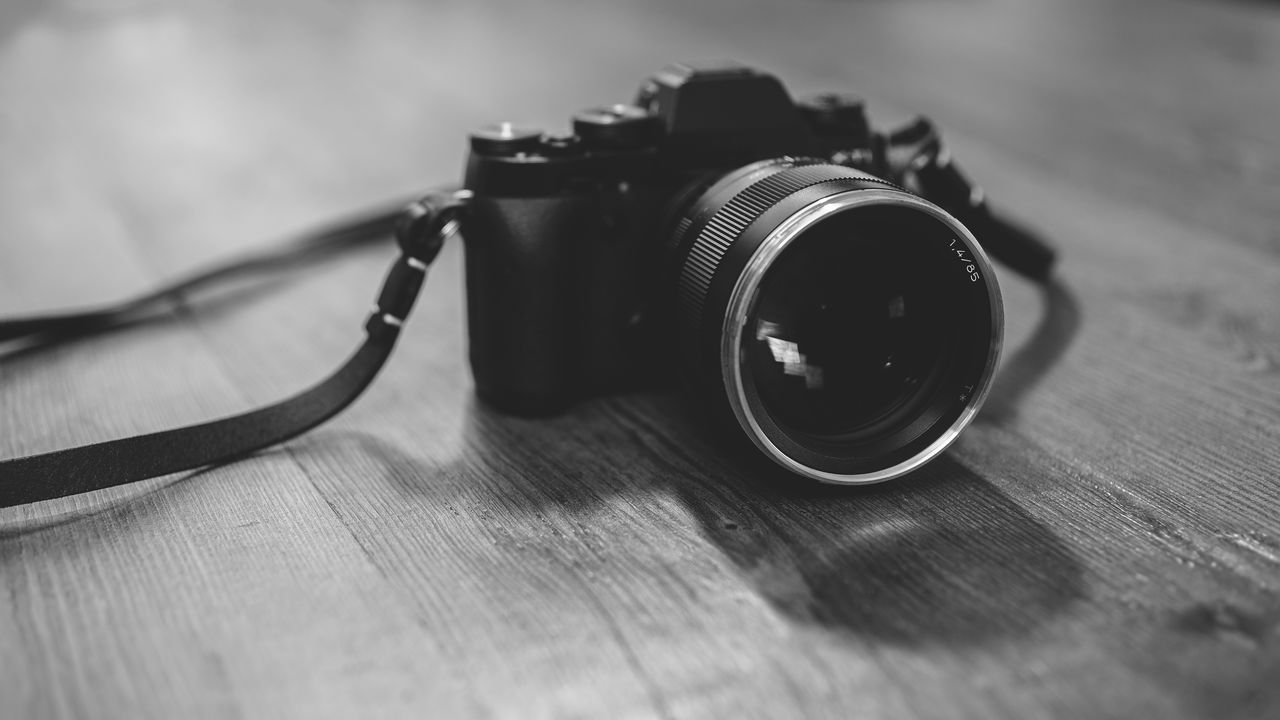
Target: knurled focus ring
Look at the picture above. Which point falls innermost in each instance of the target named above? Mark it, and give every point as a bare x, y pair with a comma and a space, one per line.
722, 228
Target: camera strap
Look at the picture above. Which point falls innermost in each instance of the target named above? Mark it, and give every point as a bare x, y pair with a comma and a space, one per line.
915, 155
420, 231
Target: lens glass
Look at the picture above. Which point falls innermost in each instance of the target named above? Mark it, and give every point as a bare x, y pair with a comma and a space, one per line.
856, 324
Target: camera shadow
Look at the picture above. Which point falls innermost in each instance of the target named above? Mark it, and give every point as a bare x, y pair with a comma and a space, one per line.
940, 558
1031, 362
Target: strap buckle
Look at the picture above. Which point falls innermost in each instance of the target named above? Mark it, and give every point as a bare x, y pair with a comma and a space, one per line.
428, 222
420, 233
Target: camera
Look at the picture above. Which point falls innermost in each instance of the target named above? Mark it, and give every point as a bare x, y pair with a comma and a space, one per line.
814, 284
765, 254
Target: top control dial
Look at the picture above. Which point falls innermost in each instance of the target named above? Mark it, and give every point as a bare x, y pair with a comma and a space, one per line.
616, 126
505, 139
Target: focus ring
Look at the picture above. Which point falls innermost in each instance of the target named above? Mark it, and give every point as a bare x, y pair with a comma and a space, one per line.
727, 224
729, 221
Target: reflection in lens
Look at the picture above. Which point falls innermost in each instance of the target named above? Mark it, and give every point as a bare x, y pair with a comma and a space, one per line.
851, 330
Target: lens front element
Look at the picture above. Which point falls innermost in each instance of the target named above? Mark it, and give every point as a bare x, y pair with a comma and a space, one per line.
849, 327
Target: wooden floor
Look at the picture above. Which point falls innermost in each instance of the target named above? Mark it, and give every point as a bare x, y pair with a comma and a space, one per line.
1103, 542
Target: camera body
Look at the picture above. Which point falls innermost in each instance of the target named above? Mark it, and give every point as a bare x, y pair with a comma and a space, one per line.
569, 293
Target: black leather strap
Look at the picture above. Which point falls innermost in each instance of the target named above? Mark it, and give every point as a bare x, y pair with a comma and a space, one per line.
421, 231
914, 155
117, 462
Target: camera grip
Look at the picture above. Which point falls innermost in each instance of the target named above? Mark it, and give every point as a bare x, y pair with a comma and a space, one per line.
523, 273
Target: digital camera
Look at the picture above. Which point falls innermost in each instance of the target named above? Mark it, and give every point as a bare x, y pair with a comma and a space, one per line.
766, 253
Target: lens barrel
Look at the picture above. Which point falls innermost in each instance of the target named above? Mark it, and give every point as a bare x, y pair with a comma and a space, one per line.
849, 328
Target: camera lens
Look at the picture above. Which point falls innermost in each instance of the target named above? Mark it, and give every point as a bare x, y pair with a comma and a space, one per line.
848, 327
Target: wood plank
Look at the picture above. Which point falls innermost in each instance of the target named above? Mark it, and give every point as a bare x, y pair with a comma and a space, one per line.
1104, 542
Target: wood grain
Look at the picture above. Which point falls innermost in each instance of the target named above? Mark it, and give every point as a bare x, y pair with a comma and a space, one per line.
1103, 542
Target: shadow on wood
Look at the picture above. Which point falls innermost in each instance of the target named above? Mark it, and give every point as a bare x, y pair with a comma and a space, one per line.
1028, 364
942, 558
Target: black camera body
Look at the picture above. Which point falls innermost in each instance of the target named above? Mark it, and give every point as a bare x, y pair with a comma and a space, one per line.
630, 252
564, 233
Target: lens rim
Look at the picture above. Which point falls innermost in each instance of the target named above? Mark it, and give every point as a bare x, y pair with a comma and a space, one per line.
743, 297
